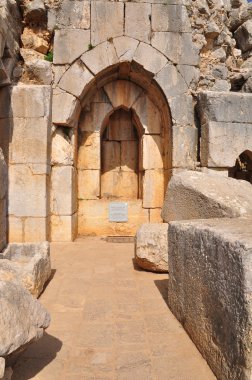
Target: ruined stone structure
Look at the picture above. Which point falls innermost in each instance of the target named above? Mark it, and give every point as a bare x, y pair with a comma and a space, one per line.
123, 78
106, 101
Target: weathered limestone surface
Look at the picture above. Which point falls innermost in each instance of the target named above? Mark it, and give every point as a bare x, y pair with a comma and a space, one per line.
112, 25
150, 58
170, 18
125, 47
243, 36
24, 180
152, 152
210, 290
122, 93
171, 81
184, 51
35, 137
226, 127
23, 319
100, 58
70, 14
65, 108
75, 79
184, 152
67, 45
63, 227
30, 101
195, 195
225, 107
30, 114
93, 218
151, 247
63, 190
29, 264
62, 148
153, 188
137, 21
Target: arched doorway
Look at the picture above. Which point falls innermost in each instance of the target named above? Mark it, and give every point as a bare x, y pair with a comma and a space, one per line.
122, 157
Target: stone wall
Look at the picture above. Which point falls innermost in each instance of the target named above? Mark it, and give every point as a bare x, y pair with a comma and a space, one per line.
169, 51
126, 52
28, 121
210, 290
226, 129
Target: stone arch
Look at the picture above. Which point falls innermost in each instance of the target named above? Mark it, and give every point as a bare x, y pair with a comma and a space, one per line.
122, 58
126, 59
154, 162
243, 167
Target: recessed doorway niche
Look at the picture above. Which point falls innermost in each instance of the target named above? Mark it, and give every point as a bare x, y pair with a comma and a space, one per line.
121, 157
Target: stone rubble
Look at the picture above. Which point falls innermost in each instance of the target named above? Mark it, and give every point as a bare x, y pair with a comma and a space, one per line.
29, 263
151, 247
196, 195
23, 318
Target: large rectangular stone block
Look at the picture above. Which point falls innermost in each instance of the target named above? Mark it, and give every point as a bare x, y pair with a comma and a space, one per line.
153, 188
137, 21
119, 185
107, 21
185, 140
31, 101
72, 14
63, 190
170, 18
30, 138
152, 152
28, 194
88, 184
67, 46
63, 228
222, 143
234, 107
209, 290
36, 229
226, 127
89, 152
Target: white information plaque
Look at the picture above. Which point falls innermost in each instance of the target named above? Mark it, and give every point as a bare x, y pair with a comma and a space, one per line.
118, 212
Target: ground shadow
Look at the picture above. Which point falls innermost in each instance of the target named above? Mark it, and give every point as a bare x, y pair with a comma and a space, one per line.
162, 286
53, 271
37, 356
136, 266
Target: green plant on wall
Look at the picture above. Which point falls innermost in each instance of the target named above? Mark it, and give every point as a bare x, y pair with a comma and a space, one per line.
49, 56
